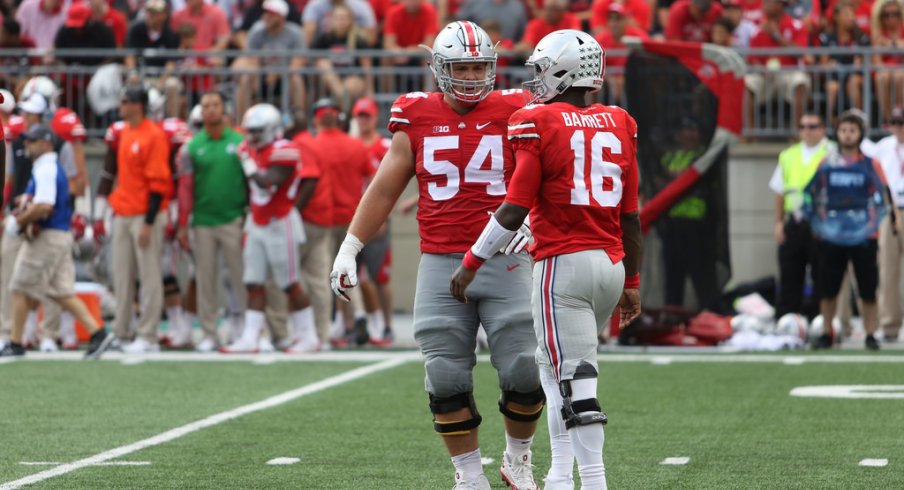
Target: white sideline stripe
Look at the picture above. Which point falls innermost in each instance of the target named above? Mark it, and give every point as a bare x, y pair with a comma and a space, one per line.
211, 421
794, 361
105, 463
282, 461
874, 462
661, 361
676, 461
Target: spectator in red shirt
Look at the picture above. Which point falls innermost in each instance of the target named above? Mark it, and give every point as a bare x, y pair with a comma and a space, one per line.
555, 16
640, 14
112, 18
862, 12
618, 25
212, 31
888, 32
408, 24
692, 20
779, 30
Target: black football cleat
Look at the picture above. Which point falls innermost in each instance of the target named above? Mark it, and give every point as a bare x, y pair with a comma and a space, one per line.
871, 343
100, 342
12, 350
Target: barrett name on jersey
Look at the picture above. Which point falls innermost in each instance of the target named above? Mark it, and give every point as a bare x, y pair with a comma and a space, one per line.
588, 158
463, 163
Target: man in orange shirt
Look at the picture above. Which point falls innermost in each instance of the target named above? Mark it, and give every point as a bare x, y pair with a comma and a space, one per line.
345, 168
143, 188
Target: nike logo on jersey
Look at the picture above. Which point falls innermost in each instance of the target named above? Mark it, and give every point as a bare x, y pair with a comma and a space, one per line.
512, 267
481, 126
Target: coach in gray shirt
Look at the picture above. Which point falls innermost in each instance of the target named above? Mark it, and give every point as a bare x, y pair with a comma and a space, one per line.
272, 34
509, 13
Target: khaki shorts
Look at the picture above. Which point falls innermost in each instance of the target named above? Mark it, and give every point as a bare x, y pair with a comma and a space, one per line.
44, 266
765, 86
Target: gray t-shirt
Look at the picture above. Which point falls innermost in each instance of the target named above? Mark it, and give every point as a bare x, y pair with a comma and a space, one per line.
289, 38
509, 13
319, 11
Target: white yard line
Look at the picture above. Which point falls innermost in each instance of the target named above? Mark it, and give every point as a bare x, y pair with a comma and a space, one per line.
211, 421
675, 461
105, 463
874, 462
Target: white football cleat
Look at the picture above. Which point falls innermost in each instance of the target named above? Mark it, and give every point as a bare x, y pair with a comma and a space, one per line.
557, 484
479, 482
265, 346
304, 346
206, 345
240, 346
518, 473
49, 345
140, 346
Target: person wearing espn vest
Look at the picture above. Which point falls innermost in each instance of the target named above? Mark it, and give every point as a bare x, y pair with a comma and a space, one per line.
796, 244
587, 249
144, 186
44, 266
453, 142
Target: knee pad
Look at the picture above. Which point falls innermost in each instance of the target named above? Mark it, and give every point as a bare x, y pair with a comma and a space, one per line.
520, 373
452, 404
527, 399
572, 409
170, 285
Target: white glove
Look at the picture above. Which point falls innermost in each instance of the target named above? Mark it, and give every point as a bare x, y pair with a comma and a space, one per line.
249, 166
10, 225
345, 267
520, 240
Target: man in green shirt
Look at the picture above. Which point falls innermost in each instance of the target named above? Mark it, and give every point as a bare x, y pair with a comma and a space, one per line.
212, 197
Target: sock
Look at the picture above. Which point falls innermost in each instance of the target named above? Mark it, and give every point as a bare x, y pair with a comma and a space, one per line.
174, 315
516, 448
468, 464
303, 324
31, 328
562, 467
337, 330
188, 319
587, 440
67, 329
254, 321
376, 325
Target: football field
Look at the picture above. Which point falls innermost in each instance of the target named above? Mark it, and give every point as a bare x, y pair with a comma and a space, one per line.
353, 420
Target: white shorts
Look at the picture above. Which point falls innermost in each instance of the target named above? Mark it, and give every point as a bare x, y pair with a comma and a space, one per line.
573, 296
273, 249
765, 86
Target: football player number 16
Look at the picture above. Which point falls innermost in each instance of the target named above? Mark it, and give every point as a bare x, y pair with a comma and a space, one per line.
605, 177
489, 146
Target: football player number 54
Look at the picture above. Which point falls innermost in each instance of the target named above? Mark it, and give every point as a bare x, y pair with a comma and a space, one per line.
605, 177
489, 146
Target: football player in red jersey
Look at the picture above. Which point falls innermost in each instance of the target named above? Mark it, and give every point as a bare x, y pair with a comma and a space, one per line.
274, 231
454, 142
576, 174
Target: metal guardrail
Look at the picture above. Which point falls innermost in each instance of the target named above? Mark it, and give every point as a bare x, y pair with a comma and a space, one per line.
766, 115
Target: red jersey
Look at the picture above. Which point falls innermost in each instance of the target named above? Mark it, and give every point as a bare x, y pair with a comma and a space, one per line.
14, 127
682, 26
791, 30
67, 125
378, 150
269, 204
582, 178
345, 165
463, 164
639, 10
607, 41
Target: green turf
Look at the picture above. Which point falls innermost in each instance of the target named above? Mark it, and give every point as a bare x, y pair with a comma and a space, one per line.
736, 421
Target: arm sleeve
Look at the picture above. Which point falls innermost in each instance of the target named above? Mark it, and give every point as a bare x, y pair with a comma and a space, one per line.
526, 181
67, 160
45, 184
155, 199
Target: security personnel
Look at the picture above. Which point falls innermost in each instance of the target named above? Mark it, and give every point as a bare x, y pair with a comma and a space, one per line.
796, 245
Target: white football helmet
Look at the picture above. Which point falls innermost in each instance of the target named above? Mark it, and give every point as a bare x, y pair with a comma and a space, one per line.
463, 42
817, 328
44, 86
196, 119
262, 124
794, 325
564, 59
156, 109
9, 101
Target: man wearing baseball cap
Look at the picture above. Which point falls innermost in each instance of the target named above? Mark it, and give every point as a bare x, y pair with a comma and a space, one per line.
44, 267
81, 31
617, 27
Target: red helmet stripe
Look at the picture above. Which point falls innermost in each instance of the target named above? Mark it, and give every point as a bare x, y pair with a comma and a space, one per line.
472, 38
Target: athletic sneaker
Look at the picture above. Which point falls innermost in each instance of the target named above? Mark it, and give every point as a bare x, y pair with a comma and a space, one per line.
360, 334
206, 345
824, 341
240, 346
385, 341
12, 350
871, 343
100, 342
49, 345
285, 343
265, 346
140, 346
556, 484
518, 473
304, 346
477, 483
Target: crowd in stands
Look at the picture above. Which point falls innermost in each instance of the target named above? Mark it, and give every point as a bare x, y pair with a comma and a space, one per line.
344, 26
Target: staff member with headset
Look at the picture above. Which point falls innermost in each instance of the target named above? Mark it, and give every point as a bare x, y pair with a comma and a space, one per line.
796, 246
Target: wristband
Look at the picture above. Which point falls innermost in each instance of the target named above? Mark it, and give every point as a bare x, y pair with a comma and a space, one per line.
471, 261
632, 282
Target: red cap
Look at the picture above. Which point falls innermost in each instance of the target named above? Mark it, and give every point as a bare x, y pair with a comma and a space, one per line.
78, 15
365, 105
617, 8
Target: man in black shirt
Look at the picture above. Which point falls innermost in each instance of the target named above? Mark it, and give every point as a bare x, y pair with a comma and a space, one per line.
153, 32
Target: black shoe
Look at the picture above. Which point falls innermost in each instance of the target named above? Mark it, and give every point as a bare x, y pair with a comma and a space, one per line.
100, 342
12, 350
824, 341
871, 343
361, 337
388, 336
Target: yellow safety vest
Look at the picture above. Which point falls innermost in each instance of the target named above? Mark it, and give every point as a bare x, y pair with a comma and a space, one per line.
796, 173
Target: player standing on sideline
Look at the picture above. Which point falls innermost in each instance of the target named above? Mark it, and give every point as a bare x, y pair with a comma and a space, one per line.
583, 209
44, 266
454, 142
273, 166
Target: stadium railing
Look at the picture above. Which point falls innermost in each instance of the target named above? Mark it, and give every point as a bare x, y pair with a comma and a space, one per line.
765, 117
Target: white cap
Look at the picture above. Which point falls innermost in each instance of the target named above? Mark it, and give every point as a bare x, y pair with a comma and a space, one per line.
36, 104
278, 7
